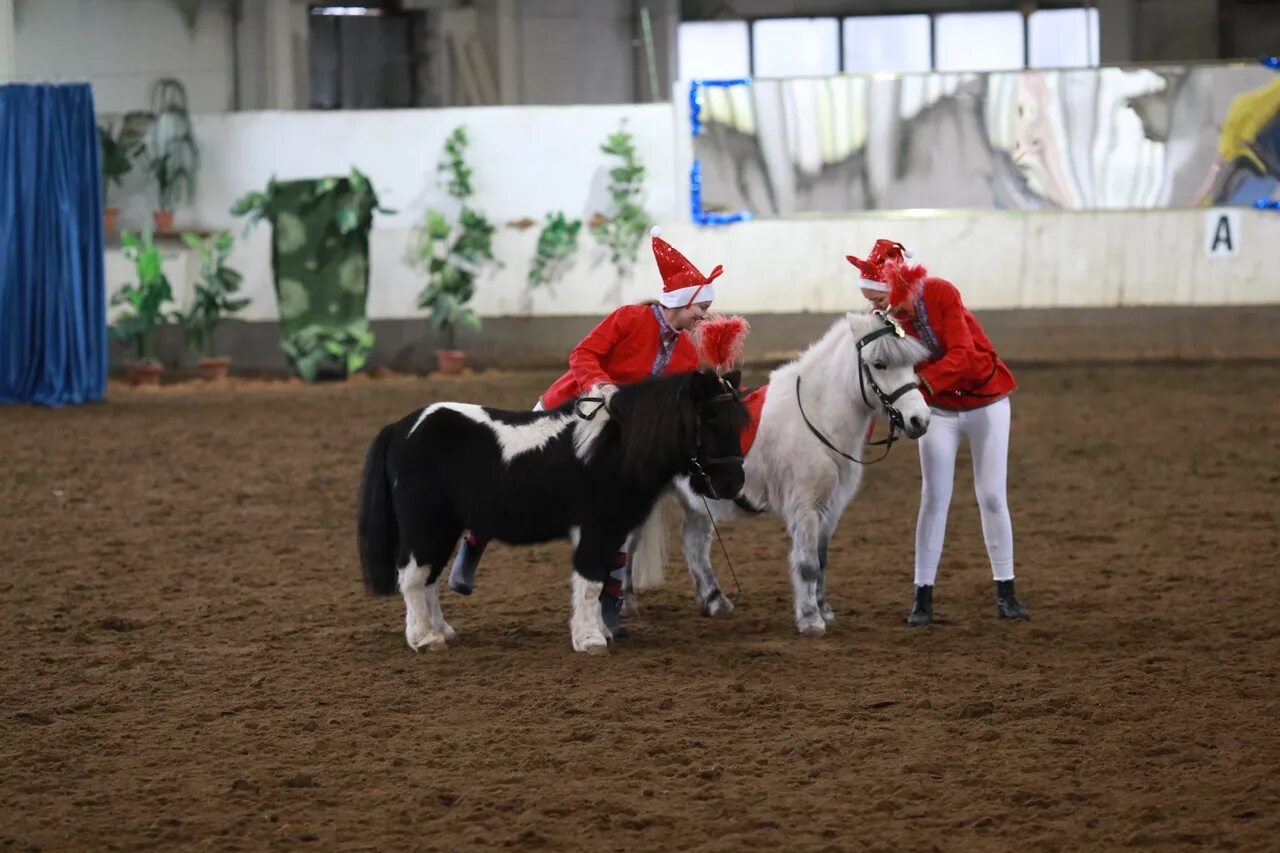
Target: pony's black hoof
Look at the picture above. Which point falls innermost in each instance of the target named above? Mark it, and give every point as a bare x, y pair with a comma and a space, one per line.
619, 632
922, 610
460, 587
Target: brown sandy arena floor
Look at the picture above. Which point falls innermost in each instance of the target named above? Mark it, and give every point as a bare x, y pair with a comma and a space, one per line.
189, 659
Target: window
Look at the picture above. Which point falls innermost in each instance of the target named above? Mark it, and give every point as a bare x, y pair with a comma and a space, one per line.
795, 47
367, 58
1062, 38
887, 43
714, 50
979, 41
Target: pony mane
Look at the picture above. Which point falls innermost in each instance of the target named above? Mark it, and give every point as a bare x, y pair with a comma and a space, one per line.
656, 420
891, 349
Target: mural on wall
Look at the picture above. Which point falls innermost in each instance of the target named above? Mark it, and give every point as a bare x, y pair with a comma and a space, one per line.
1085, 139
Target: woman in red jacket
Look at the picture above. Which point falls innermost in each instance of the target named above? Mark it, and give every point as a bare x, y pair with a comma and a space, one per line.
633, 343
967, 387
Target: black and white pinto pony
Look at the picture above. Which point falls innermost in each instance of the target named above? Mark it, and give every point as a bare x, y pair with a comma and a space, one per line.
817, 413
590, 470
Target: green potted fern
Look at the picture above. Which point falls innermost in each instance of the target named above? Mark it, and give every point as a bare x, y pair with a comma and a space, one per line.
213, 302
146, 300
119, 149
173, 157
452, 255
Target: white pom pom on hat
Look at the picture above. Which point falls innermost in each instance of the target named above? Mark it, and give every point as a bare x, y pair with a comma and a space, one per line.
655, 231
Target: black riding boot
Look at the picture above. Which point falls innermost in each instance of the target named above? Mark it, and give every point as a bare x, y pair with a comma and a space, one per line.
1007, 606
462, 578
922, 610
611, 598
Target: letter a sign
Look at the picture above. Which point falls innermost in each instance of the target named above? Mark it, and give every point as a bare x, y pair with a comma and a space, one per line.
1222, 233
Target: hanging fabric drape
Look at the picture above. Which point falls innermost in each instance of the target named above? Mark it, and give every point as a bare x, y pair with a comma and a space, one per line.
53, 313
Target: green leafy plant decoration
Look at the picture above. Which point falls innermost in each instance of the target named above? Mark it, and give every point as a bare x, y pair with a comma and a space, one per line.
173, 157
557, 242
624, 229
353, 216
213, 300
120, 148
453, 254
309, 347
146, 297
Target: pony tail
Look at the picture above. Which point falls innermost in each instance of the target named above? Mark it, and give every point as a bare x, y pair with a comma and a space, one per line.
377, 531
649, 553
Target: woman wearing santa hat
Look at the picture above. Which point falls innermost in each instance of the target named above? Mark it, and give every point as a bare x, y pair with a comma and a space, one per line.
967, 387
633, 343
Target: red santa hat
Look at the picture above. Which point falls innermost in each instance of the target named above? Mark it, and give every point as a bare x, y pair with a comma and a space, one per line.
873, 273
682, 284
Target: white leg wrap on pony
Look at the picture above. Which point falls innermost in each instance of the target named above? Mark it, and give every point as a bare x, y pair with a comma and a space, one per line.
585, 625
420, 630
987, 430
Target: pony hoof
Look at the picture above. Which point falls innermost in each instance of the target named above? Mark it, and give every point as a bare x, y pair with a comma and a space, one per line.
450, 635
592, 644
432, 641
630, 607
718, 606
828, 615
812, 627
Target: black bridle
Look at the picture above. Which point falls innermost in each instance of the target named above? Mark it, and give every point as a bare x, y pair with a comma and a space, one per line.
896, 422
698, 461
697, 457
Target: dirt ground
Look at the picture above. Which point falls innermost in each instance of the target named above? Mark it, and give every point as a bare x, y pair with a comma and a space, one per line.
189, 658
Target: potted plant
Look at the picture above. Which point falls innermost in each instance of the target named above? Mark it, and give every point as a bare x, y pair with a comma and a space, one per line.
146, 299
173, 156
118, 151
452, 255
213, 301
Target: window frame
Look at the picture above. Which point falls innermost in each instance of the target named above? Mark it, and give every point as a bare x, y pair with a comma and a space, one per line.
1092, 61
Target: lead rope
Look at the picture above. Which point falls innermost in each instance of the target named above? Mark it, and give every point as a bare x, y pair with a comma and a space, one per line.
737, 587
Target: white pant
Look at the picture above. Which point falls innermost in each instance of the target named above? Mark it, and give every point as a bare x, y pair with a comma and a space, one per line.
988, 432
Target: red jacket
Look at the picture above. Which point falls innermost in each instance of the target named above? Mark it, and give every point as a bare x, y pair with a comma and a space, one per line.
964, 371
622, 349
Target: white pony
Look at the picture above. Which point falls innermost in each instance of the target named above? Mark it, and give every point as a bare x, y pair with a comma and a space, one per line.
816, 415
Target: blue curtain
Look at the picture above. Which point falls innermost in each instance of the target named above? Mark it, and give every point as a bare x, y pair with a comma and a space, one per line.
53, 312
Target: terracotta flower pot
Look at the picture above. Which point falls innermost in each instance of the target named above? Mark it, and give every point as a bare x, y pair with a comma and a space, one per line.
110, 219
451, 361
164, 221
145, 373
213, 369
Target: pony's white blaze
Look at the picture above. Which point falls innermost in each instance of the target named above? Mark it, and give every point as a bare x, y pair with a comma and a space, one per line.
513, 439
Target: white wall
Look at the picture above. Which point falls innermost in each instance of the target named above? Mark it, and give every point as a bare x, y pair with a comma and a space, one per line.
998, 260
121, 46
528, 161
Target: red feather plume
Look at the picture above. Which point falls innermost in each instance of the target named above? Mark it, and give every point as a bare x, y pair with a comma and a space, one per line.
904, 282
720, 340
